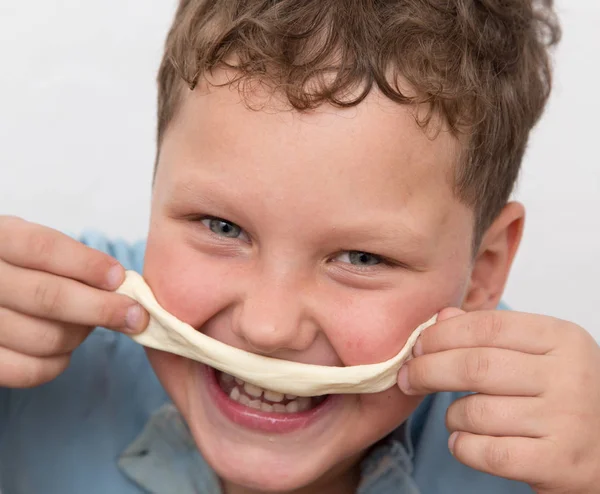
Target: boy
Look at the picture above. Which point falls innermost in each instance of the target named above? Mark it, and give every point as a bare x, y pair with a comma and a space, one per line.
329, 175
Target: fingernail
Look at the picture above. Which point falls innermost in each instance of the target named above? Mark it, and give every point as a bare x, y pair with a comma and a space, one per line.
451, 441
114, 277
403, 381
133, 319
418, 348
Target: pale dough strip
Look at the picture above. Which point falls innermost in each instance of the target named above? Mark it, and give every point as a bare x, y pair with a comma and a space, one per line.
166, 332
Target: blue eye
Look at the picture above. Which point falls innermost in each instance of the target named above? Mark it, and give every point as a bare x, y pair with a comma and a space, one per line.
358, 258
223, 228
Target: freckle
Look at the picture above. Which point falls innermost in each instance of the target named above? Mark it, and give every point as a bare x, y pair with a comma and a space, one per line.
353, 344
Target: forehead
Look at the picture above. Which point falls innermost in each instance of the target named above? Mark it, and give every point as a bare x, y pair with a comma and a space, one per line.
373, 156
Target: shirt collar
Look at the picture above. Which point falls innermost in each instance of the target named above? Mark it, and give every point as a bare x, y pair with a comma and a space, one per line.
389, 465
164, 457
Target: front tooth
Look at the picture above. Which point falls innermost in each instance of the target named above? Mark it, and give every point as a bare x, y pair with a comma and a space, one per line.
303, 404
235, 394
255, 404
253, 390
292, 407
244, 400
291, 397
239, 381
265, 407
279, 408
273, 396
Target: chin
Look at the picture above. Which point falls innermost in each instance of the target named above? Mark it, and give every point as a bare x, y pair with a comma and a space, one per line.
258, 467
270, 442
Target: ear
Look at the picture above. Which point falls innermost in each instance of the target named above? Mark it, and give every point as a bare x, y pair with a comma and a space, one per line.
494, 258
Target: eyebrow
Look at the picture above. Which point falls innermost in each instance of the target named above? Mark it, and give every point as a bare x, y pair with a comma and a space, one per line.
398, 233
189, 190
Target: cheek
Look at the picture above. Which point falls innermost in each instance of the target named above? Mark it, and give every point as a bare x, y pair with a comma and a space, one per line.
184, 282
370, 327
382, 413
172, 372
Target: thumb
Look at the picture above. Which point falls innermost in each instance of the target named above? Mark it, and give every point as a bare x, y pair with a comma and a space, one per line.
449, 313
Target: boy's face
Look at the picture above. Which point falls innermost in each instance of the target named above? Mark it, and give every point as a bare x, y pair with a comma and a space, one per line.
322, 238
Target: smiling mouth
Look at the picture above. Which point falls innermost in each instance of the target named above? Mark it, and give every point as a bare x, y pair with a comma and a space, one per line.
265, 400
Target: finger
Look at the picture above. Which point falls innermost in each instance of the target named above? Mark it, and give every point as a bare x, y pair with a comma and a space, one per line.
497, 416
528, 333
37, 247
24, 371
481, 370
39, 337
516, 458
47, 296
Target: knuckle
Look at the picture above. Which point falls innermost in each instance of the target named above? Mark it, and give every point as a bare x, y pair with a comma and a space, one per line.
40, 246
110, 314
491, 328
47, 296
55, 341
475, 412
43, 371
96, 263
476, 367
497, 458
418, 379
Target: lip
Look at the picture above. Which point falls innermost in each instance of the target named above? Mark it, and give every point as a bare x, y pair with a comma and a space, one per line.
250, 418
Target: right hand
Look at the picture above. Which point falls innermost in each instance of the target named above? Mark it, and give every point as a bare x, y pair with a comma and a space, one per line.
53, 291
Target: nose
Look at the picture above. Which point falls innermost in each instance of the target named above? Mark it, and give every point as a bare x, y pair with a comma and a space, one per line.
274, 314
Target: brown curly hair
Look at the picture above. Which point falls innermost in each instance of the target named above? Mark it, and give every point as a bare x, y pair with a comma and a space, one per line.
483, 65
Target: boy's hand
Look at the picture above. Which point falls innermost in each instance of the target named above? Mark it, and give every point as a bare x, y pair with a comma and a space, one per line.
535, 416
53, 292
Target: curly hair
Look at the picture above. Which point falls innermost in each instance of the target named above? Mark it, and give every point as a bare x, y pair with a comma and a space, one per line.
482, 65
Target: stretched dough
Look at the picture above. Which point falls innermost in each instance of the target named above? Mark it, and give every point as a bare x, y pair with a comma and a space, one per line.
165, 332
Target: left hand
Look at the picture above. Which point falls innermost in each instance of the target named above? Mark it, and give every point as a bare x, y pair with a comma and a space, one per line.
535, 414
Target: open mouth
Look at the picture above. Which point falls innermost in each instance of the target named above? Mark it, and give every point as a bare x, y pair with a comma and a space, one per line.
265, 410
265, 400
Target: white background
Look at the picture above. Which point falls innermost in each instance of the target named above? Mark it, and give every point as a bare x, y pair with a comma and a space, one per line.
77, 123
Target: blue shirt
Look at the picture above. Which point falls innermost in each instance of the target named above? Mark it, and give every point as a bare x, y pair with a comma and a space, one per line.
106, 426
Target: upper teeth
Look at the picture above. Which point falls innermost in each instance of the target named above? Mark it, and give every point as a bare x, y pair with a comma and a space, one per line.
296, 404
253, 390
273, 396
